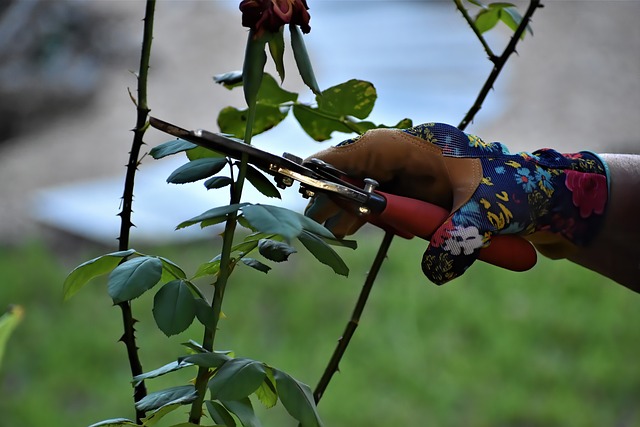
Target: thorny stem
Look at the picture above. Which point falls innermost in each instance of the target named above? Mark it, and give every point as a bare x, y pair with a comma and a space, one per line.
220, 285
499, 65
350, 329
343, 342
492, 56
128, 337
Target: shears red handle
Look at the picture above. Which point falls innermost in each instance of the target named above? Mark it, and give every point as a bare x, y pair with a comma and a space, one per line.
409, 218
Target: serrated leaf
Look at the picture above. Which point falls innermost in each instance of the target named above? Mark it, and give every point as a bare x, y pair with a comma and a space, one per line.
8, 323
218, 214
82, 274
255, 264
274, 250
486, 19
170, 148
197, 169
233, 121
114, 422
217, 182
204, 313
134, 277
353, 98
169, 367
213, 359
261, 183
512, 18
301, 56
182, 395
229, 80
245, 247
271, 93
273, 219
297, 399
267, 393
317, 125
276, 49
194, 346
243, 410
323, 252
171, 270
210, 268
203, 153
174, 307
153, 418
219, 414
236, 379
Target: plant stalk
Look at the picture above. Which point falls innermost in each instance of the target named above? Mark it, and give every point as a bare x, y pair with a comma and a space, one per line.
499, 65
128, 337
350, 329
203, 375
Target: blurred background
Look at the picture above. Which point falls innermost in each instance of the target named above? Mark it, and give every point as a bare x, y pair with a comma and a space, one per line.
556, 346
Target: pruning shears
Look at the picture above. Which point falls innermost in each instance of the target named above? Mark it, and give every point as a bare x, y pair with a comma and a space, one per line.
405, 217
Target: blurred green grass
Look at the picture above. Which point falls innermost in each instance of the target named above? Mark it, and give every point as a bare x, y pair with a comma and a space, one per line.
556, 346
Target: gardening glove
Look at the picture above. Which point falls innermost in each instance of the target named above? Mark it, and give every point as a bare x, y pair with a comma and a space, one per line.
556, 201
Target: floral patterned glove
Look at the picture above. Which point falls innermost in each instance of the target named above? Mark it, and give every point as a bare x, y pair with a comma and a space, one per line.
556, 201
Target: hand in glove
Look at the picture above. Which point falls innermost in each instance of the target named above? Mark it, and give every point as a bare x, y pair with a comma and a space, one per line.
556, 201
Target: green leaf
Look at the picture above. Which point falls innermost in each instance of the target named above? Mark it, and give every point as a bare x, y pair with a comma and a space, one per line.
323, 252
152, 418
8, 323
134, 277
303, 62
244, 411
217, 182
212, 216
171, 270
233, 121
273, 219
512, 18
197, 169
317, 125
183, 394
276, 49
247, 246
213, 359
82, 274
174, 307
170, 148
261, 183
253, 67
486, 19
297, 399
210, 268
203, 153
255, 264
236, 379
229, 80
353, 98
271, 93
169, 367
114, 422
204, 313
267, 393
274, 250
219, 414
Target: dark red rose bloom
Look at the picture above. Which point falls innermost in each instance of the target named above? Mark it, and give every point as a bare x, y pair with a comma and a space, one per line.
271, 15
